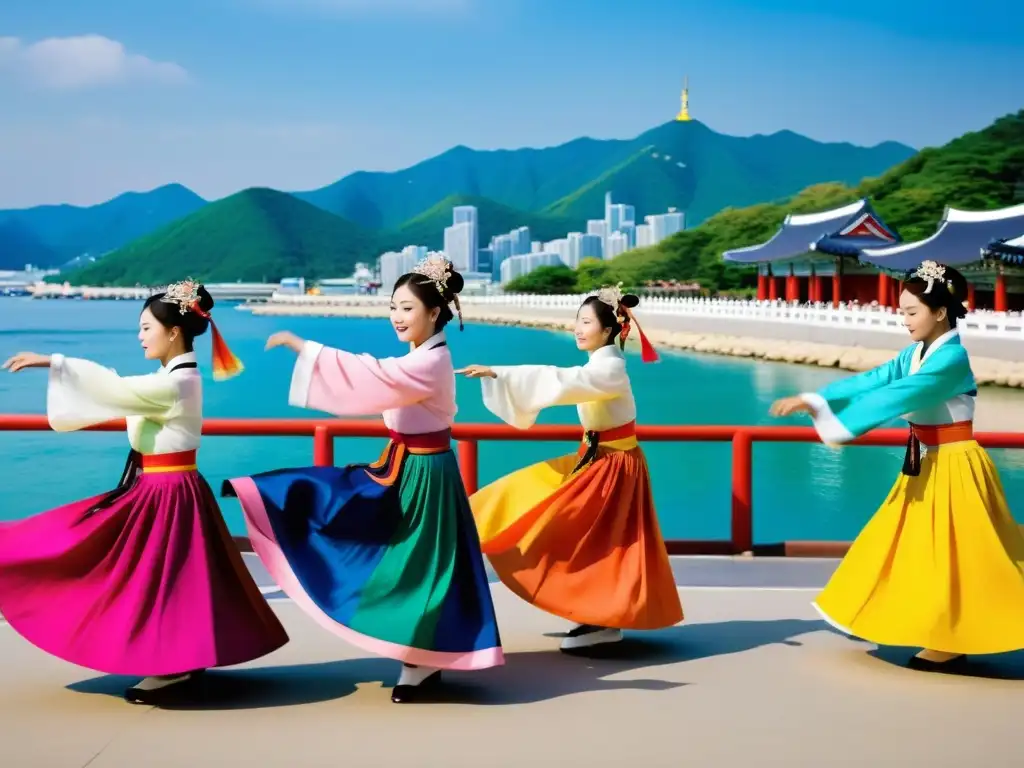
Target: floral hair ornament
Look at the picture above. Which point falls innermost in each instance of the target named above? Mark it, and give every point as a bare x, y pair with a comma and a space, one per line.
933, 272
436, 268
186, 295
612, 296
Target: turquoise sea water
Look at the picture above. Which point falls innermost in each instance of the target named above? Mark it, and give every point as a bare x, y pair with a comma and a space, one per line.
800, 491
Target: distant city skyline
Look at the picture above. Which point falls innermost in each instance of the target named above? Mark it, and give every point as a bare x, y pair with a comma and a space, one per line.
513, 254
220, 95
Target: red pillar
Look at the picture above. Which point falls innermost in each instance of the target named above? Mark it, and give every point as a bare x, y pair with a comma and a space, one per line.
773, 288
814, 290
895, 289
837, 282
1000, 298
883, 289
762, 287
792, 287
970, 297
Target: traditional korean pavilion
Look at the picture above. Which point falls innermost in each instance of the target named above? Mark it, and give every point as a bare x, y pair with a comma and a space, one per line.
810, 246
958, 241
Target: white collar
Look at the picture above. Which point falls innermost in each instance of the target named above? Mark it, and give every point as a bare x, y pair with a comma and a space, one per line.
188, 357
608, 350
918, 360
953, 332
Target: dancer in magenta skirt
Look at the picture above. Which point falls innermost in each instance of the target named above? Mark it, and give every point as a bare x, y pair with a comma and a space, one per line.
144, 580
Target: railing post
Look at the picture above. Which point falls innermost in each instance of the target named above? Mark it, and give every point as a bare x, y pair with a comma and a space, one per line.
742, 492
469, 458
323, 446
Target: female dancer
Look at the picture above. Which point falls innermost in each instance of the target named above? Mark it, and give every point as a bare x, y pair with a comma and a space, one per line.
385, 555
578, 535
145, 579
940, 566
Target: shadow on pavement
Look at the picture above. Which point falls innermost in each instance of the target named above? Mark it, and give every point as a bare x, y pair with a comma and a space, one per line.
526, 677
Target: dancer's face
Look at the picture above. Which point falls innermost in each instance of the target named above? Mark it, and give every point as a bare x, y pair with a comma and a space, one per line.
590, 334
157, 341
923, 322
410, 318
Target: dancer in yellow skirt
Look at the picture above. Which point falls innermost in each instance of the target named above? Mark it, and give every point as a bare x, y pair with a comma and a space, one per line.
578, 536
940, 566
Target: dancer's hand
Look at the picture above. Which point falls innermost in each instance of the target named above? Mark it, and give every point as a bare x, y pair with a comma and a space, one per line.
787, 406
24, 360
477, 372
285, 339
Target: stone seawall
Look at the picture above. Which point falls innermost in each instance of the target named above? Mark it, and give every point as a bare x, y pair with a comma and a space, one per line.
987, 370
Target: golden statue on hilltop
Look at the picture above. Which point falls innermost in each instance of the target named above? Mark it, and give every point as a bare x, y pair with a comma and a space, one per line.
684, 112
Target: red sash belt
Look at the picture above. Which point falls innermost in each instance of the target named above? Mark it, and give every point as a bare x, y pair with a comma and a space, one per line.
592, 439
182, 461
615, 433
933, 435
943, 434
385, 470
424, 443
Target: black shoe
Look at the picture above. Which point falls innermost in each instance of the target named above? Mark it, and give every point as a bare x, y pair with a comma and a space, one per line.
153, 696
589, 635
955, 665
409, 694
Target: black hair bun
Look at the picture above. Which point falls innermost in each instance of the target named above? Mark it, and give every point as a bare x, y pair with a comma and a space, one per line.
958, 282
454, 285
629, 300
205, 299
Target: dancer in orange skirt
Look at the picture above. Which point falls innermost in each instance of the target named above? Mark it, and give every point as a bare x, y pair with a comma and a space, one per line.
577, 536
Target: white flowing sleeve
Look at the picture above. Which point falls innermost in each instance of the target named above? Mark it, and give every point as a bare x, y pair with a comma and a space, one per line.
521, 392
81, 394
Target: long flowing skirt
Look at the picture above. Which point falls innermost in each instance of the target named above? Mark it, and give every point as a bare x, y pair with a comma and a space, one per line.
585, 546
385, 556
939, 566
150, 585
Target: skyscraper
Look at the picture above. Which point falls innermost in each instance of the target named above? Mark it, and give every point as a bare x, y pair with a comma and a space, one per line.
582, 246
501, 250
628, 228
467, 214
459, 245
666, 224
485, 261
520, 240
618, 243
395, 264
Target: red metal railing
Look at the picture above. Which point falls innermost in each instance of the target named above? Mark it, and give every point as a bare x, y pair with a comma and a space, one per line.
468, 437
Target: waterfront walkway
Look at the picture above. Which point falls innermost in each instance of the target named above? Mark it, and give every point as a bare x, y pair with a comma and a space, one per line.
752, 678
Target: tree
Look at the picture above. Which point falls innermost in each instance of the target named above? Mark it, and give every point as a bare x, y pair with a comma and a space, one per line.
591, 274
547, 280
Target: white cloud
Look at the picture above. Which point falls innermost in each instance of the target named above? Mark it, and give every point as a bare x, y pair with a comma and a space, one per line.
85, 61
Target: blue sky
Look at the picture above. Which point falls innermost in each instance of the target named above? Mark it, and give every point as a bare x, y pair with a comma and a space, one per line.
105, 96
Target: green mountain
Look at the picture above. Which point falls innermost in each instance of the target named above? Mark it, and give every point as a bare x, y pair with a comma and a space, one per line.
69, 231
683, 165
493, 218
254, 235
551, 190
979, 171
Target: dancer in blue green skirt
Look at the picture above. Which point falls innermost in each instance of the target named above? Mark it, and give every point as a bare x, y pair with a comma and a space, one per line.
385, 555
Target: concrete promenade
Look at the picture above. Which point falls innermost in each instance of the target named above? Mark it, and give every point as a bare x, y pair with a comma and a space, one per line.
997, 360
752, 678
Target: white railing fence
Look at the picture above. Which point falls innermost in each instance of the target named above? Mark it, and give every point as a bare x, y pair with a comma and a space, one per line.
865, 317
